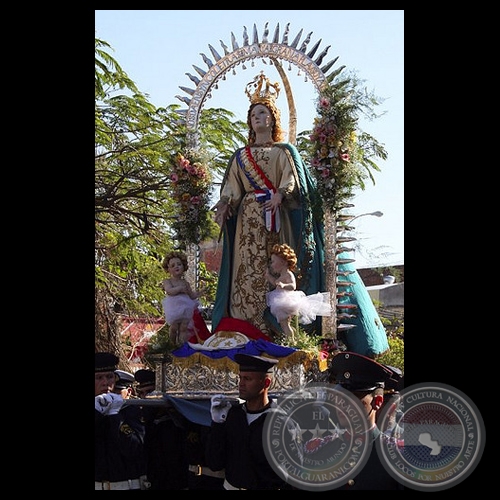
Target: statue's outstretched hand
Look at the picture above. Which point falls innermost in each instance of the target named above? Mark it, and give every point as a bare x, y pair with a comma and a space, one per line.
222, 212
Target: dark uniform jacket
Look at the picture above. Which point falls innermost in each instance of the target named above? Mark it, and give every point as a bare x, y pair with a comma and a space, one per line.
195, 448
237, 447
373, 476
167, 465
119, 446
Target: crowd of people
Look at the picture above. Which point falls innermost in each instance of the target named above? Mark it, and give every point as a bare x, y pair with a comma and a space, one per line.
146, 447
154, 446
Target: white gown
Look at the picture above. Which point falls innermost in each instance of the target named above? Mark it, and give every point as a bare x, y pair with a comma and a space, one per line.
285, 303
179, 308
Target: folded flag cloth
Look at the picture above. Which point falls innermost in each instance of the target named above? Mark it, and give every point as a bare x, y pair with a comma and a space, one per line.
273, 222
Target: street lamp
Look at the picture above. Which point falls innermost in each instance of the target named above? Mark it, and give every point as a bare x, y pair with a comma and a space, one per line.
378, 213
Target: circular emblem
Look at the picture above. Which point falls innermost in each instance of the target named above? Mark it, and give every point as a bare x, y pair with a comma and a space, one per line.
317, 439
435, 438
225, 340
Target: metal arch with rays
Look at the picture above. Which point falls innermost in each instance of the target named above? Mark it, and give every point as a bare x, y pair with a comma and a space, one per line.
275, 51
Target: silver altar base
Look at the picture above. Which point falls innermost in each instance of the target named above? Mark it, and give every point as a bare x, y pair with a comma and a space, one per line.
200, 378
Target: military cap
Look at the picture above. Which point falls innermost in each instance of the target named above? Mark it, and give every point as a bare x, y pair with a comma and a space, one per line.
105, 362
250, 363
396, 382
356, 372
145, 377
124, 379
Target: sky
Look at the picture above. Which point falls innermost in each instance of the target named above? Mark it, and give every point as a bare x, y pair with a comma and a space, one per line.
157, 48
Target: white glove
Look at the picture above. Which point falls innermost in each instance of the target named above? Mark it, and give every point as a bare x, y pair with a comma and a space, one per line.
219, 408
100, 403
108, 404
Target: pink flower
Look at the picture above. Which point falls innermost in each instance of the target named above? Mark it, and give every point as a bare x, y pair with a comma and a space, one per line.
184, 162
325, 172
324, 102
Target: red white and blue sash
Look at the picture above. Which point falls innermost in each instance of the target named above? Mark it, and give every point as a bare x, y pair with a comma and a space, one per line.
256, 177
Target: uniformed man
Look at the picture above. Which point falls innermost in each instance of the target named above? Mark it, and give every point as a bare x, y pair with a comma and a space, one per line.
124, 384
366, 379
146, 381
389, 415
201, 477
165, 439
119, 435
235, 439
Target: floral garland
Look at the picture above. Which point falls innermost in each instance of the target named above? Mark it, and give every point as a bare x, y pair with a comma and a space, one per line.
191, 183
340, 160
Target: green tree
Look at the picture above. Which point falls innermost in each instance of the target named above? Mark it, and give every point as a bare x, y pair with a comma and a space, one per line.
135, 147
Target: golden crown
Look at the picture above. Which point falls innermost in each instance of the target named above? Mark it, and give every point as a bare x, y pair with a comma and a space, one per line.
257, 92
